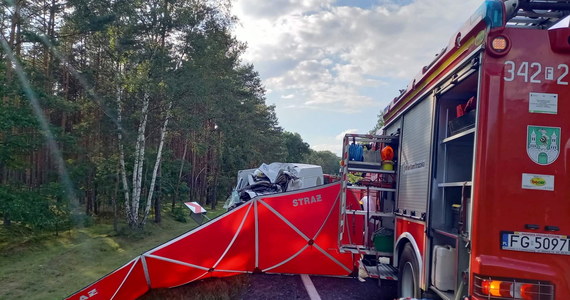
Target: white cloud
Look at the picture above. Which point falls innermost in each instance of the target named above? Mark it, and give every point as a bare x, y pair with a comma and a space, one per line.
333, 52
313, 55
334, 148
340, 136
276, 8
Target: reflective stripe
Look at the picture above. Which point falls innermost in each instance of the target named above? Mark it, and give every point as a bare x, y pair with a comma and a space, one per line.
145, 269
234, 238
126, 277
287, 260
177, 262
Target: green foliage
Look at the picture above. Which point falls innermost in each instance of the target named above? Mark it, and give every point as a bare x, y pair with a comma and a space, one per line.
18, 134
83, 58
78, 56
326, 159
379, 124
179, 214
41, 209
297, 149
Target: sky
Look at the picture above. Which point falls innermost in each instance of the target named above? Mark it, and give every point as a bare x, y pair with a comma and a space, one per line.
331, 66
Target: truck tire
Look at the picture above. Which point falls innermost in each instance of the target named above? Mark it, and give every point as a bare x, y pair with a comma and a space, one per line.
408, 277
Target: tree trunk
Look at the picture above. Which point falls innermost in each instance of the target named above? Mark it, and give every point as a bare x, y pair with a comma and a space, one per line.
7, 221
12, 38
194, 171
157, 216
180, 174
123, 169
139, 163
114, 203
163, 133
18, 38
218, 168
96, 203
90, 206
215, 185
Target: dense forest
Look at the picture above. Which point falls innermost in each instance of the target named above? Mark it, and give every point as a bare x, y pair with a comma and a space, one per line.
126, 108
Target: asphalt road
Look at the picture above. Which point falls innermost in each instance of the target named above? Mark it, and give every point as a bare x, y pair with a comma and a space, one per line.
277, 287
266, 286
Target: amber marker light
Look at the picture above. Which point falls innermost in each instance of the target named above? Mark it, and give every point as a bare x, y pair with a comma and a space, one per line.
499, 45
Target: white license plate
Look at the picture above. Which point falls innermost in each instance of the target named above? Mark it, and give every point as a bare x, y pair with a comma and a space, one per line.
535, 242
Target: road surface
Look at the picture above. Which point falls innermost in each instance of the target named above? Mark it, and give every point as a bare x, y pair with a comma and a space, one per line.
265, 286
277, 287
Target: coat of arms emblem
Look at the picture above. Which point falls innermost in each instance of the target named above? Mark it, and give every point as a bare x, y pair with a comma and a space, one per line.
543, 144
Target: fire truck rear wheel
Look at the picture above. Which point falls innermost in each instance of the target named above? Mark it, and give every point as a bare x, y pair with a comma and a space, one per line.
408, 283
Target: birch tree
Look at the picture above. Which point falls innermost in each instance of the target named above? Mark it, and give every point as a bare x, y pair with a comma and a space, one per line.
126, 108
163, 132
145, 80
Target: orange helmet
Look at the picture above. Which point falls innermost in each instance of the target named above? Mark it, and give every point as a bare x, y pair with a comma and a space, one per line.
387, 153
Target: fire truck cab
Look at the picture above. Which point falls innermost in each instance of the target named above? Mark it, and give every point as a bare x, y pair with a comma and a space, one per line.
478, 192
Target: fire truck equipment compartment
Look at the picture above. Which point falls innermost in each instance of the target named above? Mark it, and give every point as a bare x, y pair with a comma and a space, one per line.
462, 123
455, 209
443, 276
384, 239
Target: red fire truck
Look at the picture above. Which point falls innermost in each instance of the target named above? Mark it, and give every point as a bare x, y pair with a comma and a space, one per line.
475, 203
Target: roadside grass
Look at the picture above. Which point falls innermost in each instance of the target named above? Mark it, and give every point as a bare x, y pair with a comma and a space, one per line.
46, 266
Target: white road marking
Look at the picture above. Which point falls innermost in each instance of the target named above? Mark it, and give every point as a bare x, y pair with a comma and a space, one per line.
310, 287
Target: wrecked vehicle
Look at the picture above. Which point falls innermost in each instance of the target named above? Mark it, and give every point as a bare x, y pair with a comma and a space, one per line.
271, 179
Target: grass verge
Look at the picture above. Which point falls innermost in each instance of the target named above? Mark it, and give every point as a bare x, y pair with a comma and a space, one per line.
45, 266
